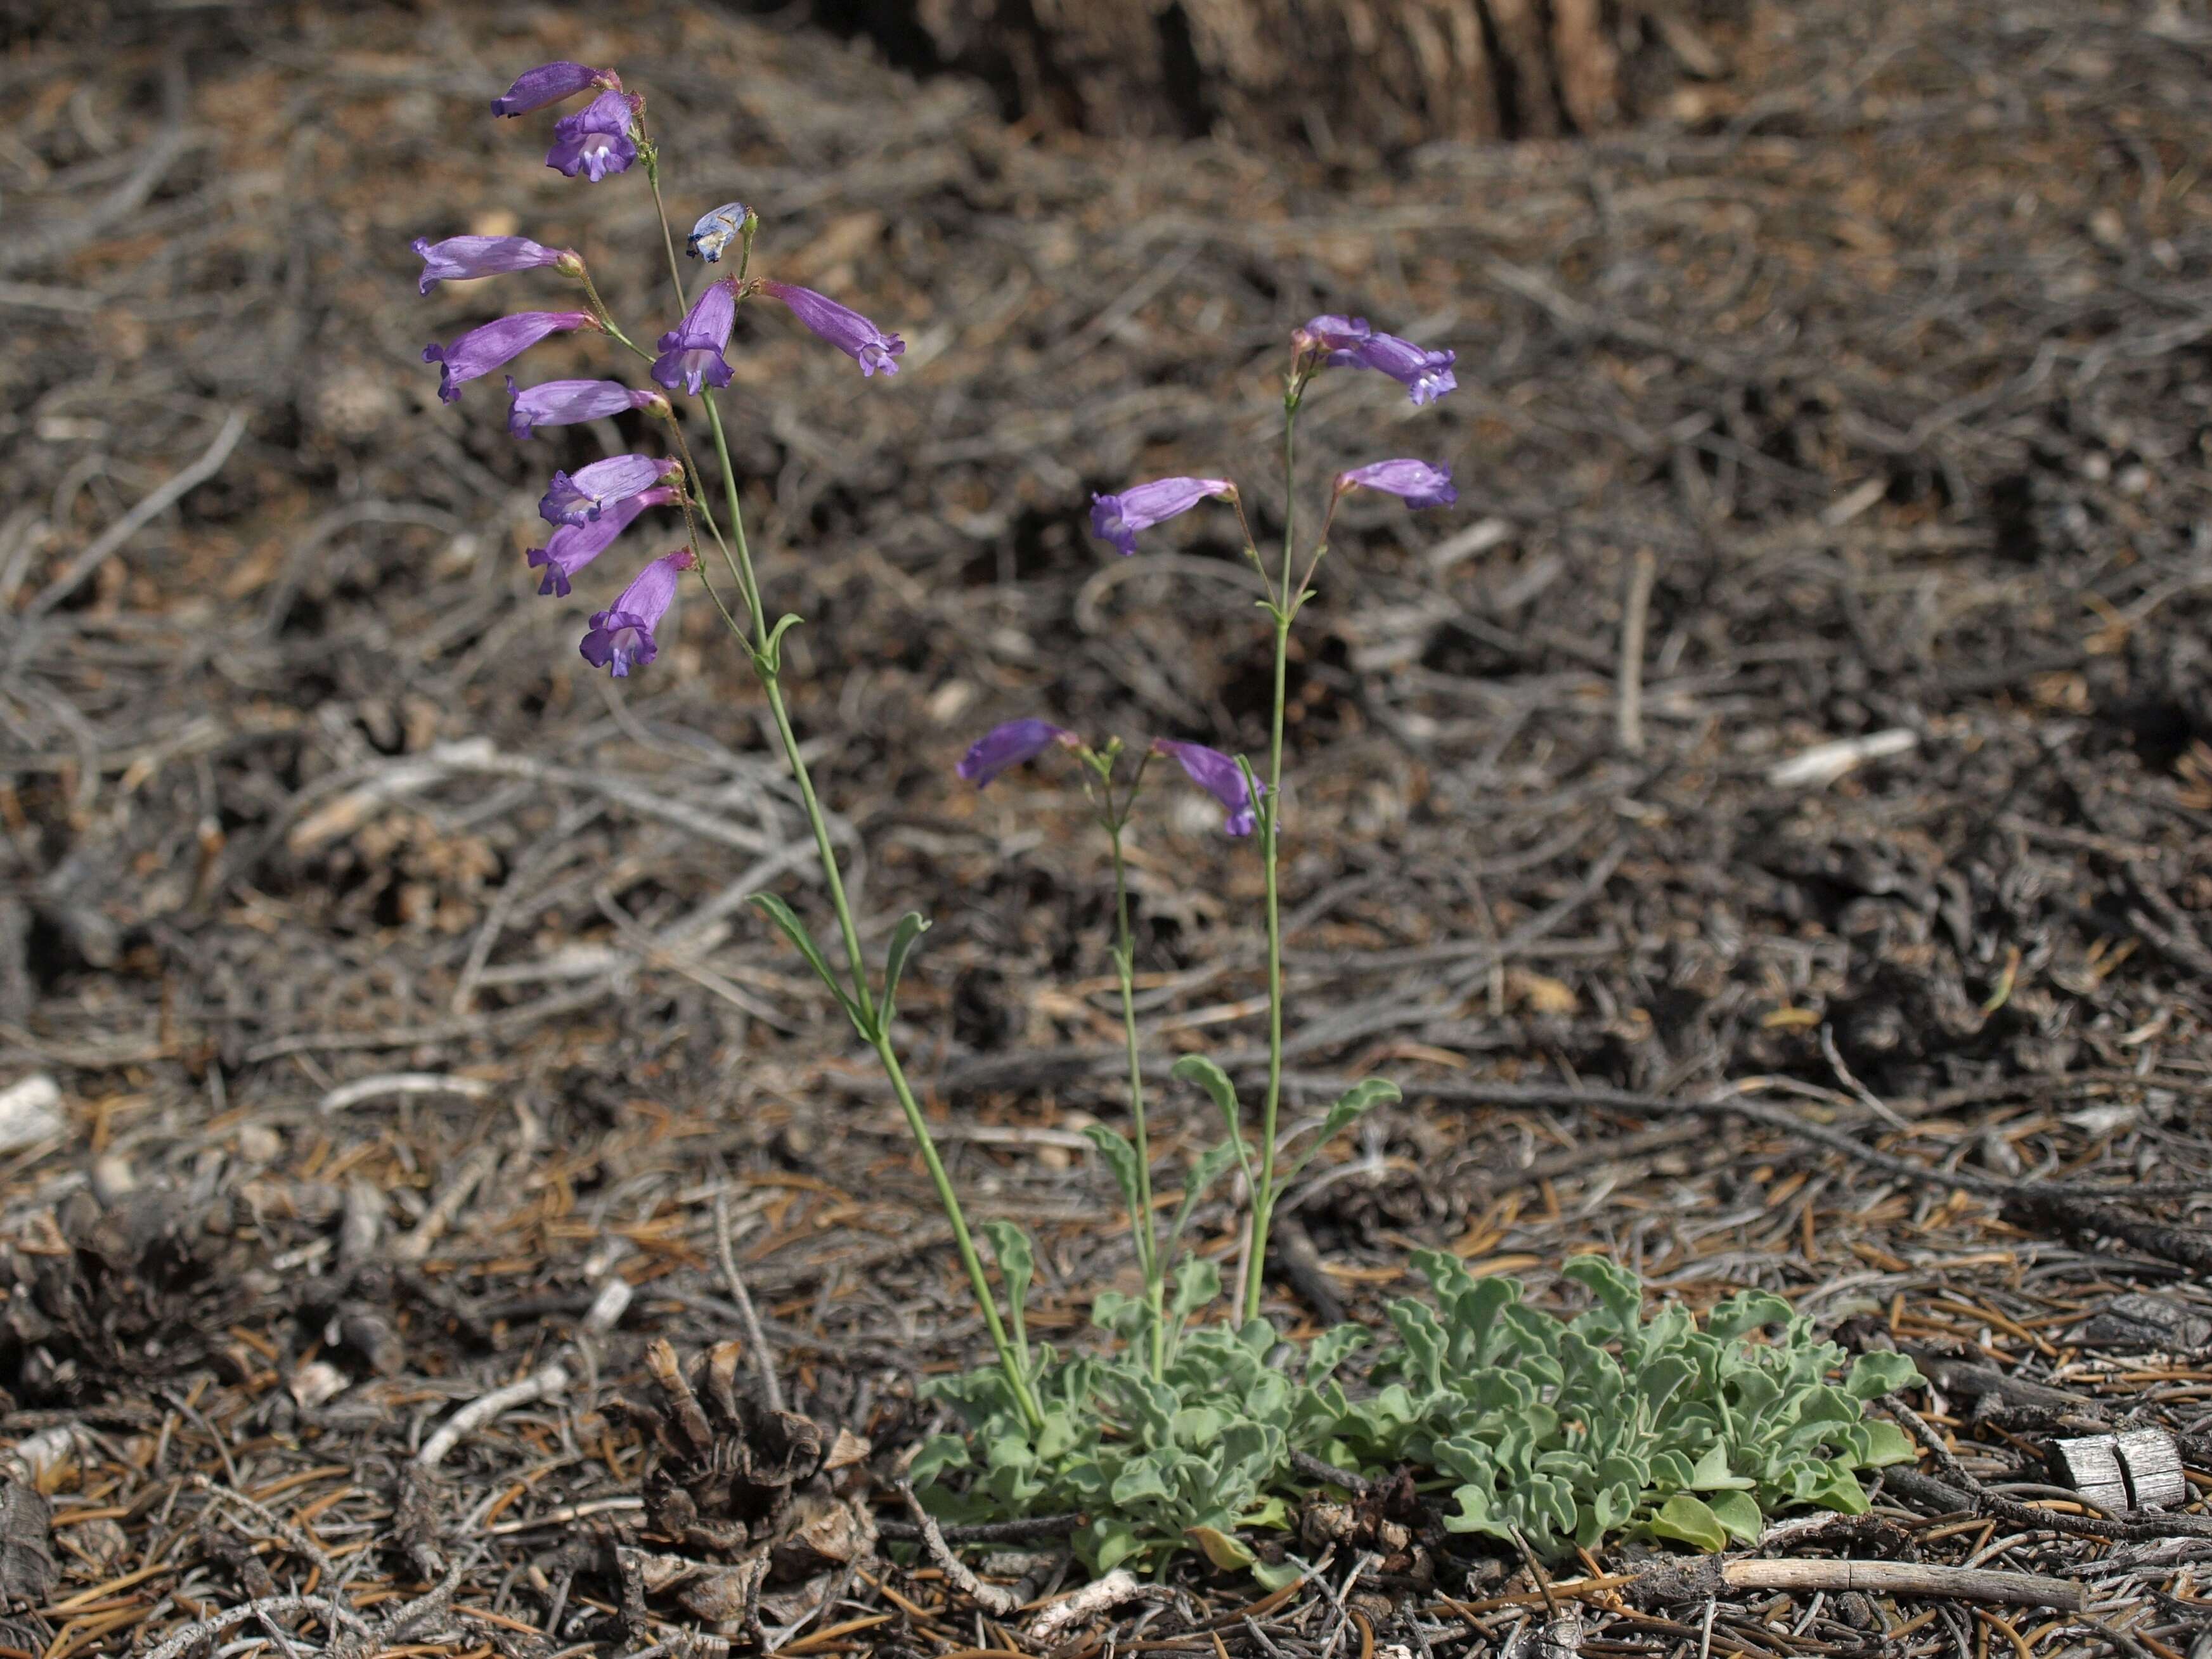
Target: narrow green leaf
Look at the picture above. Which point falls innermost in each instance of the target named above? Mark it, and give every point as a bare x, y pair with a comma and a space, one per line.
912, 925
1122, 1158
1016, 1260
793, 929
771, 654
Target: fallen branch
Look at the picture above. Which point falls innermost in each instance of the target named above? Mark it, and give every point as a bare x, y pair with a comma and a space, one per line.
547, 1382
998, 1602
1713, 1576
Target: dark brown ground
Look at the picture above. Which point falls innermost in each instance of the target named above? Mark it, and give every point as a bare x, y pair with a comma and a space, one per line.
1892, 348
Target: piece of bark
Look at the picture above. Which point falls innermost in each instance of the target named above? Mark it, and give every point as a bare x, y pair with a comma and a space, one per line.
2140, 1469
27, 1569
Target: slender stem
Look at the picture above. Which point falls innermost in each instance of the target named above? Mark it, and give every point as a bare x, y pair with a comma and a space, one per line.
1270, 816
668, 236
1145, 1230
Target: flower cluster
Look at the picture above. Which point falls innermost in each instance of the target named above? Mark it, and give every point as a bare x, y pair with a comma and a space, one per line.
591, 508
1016, 741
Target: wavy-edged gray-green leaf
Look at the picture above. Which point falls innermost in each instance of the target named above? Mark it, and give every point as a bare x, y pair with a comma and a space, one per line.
1208, 1170
1122, 1158
1354, 1103
1200, 1070
1016, 1259
908, 934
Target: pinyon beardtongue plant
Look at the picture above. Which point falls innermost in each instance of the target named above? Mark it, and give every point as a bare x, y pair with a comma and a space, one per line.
597, 141
549, 83
1117, 518
621, 636
1010, 745
691, 352
580, 499
842, 326
573, 546
593, 505
1182, 1429
462, 259
564, 403
476, 353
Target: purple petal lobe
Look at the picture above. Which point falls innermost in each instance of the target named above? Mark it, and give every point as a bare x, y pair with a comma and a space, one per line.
621, 636
1117, 518
1333, 334
1421, 485
1010, 745
481, 350
843, 327
1219, 776
549, 83
460, 257
564, 403
596, 140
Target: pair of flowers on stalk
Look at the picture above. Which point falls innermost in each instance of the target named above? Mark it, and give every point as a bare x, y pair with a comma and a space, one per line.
592, 508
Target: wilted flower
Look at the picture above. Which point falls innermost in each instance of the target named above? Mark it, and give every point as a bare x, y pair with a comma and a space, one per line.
691, 352
595, 488
1011, 744
460, 257
715, 231
621, 636
843, 327
573, 546
549, 83
1219, 776
1421, 485
564, 403
595, 140
481, 350
1426, 375
1117, 518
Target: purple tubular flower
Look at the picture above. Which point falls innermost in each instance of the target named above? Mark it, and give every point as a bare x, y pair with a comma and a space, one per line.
598, 486
843, 327
691, 352
1117, 518
549, 83
573, 546
1010, 745
621, 636
1219, 776
457, 258
481, 350
1426, 375
595, 140
715, 231
564, 403
1421, 485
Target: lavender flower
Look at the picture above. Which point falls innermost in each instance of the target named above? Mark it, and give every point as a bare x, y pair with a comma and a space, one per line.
596, 139
1421, 485
599, 486
549, 83
481, 350
691, 352
1426, 375
715, 231
1117, 518
564, 403
457, 258
573, 546
843, 327
1219, 776
621, 636
1011, 744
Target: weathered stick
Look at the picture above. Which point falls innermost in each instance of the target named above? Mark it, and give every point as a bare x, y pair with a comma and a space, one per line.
1714, 1577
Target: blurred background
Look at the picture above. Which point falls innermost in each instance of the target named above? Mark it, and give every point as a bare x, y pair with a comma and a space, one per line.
1832, 378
